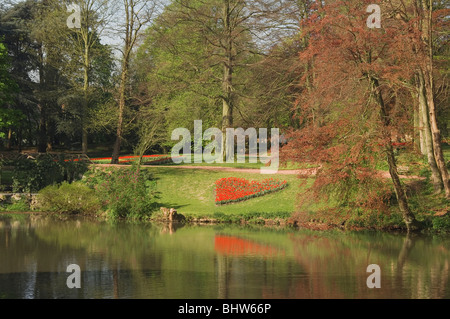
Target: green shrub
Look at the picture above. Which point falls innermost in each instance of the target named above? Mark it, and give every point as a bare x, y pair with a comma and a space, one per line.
31, 175
441, 223
68, 198
125, 193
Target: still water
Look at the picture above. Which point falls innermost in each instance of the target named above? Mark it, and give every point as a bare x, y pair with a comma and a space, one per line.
157, 261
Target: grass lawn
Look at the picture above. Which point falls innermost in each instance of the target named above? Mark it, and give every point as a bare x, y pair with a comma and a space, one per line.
192, 193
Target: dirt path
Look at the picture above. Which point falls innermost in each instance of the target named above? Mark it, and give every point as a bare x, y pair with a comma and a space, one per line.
305, 171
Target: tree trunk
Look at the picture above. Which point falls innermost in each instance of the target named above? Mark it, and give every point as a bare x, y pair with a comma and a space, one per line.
408, 216
9, 142
419, 139
427, 70
119, 132
19, 140
227, 82
84, 134
436, 139
122, 101
422, 143
423, 107
227, 112
42, 137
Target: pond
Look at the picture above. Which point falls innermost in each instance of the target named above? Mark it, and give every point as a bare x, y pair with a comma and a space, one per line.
125, 260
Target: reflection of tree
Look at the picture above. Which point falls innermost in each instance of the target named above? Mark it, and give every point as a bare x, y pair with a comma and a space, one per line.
436, 285
37, 253
140, 261
116, 282
334, 266
408, 244
223, 274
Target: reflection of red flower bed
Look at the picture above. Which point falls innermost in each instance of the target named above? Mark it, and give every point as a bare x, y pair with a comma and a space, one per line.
232, 189
230, 245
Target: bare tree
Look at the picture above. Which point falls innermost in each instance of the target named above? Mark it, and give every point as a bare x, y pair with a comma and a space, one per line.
233, 30
95, 16
138, 14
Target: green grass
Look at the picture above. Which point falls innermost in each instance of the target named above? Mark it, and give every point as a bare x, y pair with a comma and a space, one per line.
19, 206
192, 193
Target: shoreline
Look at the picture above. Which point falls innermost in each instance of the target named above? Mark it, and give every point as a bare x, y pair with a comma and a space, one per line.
279, 223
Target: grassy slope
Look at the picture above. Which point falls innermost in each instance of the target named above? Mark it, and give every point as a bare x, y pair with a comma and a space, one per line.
191, 192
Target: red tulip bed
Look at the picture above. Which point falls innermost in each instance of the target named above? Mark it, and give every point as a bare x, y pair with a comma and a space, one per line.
232, 189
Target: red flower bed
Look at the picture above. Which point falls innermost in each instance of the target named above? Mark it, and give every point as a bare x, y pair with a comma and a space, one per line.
232, 189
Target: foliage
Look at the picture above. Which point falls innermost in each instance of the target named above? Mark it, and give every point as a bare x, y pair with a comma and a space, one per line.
21, 205
441, 223
7, 85
31, 175
342, 125
8, 117
124, 192
75, 198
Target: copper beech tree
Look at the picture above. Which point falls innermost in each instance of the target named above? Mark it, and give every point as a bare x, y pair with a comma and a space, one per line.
358, 105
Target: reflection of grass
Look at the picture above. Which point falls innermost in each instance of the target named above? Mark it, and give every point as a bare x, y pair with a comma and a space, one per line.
18, 217
192, 192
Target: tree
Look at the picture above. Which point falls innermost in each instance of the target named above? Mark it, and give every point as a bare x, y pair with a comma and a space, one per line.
7, 86
138, 13
151, 131
425, 11
359, 73
9, 118
419, 14
233, 35
81, 49
95, 14
14, 28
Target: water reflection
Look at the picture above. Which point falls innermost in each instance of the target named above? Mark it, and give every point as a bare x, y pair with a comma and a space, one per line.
170, 261
235, 246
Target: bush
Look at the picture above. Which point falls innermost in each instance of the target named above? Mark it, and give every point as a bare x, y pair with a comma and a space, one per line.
32, 175
125, 193
75, 198
441, 223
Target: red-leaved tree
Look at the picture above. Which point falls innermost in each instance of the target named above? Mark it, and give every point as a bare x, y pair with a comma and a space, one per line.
359, 103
